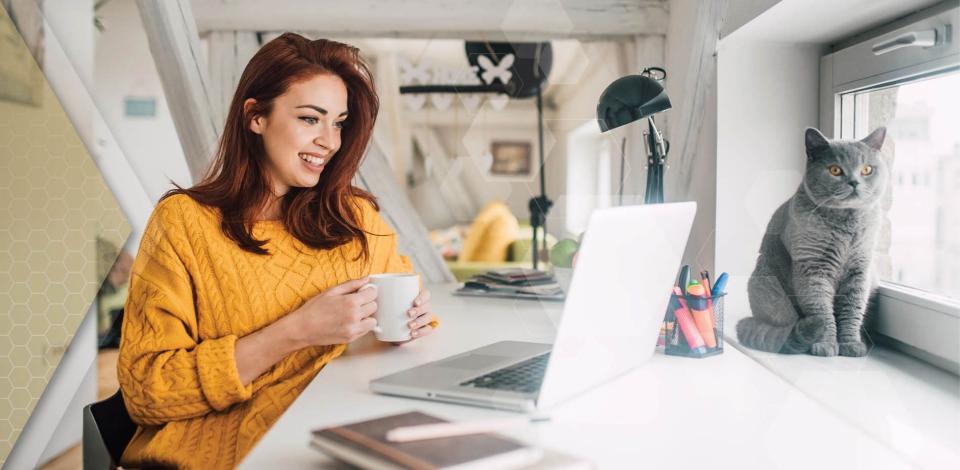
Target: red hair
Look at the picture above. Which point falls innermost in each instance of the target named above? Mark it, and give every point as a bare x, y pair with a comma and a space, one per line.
323, 216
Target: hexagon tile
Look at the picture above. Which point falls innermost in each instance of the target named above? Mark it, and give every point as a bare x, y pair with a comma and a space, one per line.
54, 205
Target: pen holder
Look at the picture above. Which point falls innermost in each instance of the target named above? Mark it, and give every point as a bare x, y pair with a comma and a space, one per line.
693, 326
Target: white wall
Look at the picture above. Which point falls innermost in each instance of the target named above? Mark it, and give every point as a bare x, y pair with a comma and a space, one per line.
471, 140
768, 94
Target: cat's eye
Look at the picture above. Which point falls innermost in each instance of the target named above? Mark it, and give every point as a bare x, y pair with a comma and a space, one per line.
867, 170
835, 170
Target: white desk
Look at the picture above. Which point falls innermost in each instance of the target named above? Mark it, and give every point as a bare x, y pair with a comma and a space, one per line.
725, 411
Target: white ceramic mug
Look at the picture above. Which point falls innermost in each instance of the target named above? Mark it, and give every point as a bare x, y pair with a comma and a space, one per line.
395, 295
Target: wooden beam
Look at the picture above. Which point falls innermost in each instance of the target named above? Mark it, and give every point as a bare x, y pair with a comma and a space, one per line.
414, 241
438, 160
699, 82
175, 45
526, 20
692, 162
227, 56
471, 35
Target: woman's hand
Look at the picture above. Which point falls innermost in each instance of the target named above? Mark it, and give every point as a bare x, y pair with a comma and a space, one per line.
420, 317
339, 315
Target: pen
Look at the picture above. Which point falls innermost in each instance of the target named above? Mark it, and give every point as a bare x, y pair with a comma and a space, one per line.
438, 430
684, 277
708, 293
720, 285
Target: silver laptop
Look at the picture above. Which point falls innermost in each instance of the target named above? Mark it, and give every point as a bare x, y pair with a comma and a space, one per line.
610, 322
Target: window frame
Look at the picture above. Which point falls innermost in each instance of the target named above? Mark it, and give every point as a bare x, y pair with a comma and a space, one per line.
919, 323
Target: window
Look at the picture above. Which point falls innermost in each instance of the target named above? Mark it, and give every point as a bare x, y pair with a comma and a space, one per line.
922, 117
588, 175
915, 92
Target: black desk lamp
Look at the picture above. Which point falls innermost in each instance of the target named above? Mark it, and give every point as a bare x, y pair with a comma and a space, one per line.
630, 99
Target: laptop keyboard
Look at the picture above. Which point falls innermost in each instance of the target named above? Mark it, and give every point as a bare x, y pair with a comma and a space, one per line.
523, 377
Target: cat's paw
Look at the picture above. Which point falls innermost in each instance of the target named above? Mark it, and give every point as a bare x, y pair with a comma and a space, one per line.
825, 349
853, 349
810, 329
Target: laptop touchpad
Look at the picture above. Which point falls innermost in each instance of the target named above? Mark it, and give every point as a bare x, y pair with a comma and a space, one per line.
473, 361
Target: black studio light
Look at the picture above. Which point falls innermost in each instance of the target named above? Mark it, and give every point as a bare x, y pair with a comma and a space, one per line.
632, 98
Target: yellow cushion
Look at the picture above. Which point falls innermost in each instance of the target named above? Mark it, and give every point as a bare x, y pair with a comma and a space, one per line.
490, 234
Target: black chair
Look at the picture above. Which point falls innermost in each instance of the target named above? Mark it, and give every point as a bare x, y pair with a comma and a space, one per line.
107, 429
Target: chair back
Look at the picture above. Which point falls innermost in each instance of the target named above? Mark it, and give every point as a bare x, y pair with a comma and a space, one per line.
107, 429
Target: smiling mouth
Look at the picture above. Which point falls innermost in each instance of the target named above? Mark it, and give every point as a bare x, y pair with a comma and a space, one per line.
312, 159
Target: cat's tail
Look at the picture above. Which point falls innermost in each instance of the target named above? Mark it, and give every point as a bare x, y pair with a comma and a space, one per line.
791, 339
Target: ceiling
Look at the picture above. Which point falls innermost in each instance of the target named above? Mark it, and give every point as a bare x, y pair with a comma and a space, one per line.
824, 21
486, 19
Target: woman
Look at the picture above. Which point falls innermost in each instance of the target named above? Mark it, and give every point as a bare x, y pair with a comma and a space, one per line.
247, 284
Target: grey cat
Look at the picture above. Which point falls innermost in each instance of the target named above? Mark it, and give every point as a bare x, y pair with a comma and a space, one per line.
810, 288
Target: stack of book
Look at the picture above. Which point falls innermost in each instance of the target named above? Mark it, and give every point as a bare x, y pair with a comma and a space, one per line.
366, 445
513, 283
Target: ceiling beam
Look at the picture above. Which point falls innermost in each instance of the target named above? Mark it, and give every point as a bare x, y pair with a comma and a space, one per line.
492, 19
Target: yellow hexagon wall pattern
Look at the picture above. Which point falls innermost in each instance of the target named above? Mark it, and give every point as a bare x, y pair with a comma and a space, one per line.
54, 205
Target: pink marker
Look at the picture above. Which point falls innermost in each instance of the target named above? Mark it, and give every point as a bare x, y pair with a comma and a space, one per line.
688, 326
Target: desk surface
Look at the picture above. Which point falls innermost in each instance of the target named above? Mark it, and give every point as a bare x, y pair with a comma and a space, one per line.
725, 411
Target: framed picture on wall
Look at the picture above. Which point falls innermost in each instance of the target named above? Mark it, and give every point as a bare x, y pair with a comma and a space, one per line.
511, 158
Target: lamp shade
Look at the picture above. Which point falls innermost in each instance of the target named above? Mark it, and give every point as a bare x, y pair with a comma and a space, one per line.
628, 99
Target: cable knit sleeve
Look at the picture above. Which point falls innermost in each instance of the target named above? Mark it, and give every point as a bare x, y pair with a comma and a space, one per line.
165, 372
383, 244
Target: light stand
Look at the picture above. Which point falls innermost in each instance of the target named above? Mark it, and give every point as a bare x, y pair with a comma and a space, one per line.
539, 206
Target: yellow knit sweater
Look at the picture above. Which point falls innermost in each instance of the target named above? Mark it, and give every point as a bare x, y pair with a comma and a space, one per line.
193, 292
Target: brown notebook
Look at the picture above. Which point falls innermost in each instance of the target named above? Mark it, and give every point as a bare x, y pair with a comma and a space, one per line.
364, 444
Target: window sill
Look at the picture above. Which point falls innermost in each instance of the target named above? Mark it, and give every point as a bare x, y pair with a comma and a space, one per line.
921, 324
909, 405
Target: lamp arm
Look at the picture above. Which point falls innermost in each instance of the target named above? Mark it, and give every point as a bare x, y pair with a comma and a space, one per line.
656, 158
623, 158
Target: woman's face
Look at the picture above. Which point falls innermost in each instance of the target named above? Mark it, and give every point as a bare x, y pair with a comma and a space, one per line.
302, 132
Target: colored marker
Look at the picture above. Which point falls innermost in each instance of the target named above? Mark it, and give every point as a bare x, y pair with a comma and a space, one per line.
687, 326
708, 285
671, 321
684, 277
720, 285
702, 315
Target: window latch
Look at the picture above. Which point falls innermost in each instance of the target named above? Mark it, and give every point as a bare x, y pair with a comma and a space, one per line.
925, 39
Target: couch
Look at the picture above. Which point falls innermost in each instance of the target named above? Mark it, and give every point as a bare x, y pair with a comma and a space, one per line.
494, 240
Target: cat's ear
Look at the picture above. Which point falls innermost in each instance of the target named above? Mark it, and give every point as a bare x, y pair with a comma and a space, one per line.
875, 139
815, 141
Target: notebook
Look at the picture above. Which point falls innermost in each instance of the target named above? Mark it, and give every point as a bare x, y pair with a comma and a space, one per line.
364, 445
518, 276
515, 283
